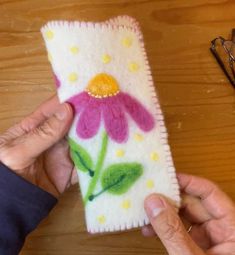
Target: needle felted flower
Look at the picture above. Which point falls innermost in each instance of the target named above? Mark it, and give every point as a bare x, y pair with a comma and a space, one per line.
103, 99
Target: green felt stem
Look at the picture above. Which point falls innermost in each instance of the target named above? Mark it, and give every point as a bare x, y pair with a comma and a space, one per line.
98, 168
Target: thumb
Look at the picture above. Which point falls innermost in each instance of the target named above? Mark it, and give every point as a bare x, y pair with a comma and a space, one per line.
169, 228
29, 146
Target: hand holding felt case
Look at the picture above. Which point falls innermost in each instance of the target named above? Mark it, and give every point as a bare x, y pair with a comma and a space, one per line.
118, 139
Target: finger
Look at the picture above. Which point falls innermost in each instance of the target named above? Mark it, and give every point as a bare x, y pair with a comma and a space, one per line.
197, 232
199, 235
227, 248
168, 226
31, 121
58, 165
148, 231
43, 112
74, 177
216, 202
24, 149
193, 210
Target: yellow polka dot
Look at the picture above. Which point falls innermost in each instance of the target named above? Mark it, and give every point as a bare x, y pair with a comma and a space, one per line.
150, 184
101, 219
49, 57
127, 42
106, 58
126, 204
120, 153
49, 34
74, 50
138, 137
133, 67
73, 77
154, 156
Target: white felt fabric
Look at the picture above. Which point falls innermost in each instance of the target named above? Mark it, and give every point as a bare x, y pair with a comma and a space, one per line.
110, 212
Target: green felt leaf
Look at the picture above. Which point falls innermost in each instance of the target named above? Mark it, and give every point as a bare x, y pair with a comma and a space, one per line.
118, 178
81, 157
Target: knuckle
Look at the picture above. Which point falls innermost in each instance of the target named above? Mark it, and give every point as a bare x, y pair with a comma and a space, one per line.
3, 148
46, 130
27, 124
173, 228
13, 158
210, 183
5, 139
2, 141
211, 187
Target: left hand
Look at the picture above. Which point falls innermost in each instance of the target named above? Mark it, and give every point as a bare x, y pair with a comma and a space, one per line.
36, 149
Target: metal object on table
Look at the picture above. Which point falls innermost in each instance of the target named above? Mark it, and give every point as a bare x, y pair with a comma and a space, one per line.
224, 52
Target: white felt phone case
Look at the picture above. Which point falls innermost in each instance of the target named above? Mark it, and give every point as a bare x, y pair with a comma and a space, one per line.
118, 139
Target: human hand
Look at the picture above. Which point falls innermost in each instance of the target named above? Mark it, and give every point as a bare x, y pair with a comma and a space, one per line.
36, 148
208, 209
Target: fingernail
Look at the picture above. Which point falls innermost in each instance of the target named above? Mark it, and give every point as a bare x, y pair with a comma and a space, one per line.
62, 112
154, 206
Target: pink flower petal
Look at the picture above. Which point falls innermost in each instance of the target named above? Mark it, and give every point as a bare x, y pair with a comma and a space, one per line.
79, 101
138, 112
89, 120
114, 118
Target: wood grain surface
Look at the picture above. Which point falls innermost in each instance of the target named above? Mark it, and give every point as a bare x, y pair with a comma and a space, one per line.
197, 100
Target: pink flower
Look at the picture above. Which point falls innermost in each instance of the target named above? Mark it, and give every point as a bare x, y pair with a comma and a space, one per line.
112, 108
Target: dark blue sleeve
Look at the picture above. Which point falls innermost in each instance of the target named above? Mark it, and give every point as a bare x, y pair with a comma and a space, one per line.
22, 207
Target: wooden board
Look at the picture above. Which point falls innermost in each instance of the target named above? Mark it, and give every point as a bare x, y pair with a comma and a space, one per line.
197, 100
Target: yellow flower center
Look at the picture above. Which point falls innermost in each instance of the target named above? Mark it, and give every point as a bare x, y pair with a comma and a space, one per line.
102, 85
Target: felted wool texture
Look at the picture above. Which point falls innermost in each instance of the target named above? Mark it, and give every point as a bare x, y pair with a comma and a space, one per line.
118, 139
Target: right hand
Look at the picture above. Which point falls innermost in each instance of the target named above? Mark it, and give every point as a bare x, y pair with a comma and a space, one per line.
208, 209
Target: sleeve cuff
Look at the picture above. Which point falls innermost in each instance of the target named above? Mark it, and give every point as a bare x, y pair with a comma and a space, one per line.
21, 190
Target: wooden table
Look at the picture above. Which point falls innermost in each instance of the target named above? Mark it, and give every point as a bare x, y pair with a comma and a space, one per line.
197, 100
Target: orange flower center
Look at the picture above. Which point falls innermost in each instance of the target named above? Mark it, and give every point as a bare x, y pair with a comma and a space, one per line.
102, 85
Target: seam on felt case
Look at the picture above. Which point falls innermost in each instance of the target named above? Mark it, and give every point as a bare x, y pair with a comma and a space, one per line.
126, 23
